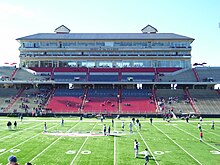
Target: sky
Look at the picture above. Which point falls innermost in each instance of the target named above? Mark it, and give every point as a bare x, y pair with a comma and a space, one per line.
198, 19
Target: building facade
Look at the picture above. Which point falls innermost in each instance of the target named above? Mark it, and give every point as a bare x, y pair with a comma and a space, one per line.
65, 49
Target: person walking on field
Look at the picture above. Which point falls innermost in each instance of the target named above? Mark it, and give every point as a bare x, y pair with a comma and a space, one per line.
122, 126
151, 120
213, 124
104, 129
109, 130
201, 136
130, 126
15, 124
146, 156
45, 127
136, 145
62, 122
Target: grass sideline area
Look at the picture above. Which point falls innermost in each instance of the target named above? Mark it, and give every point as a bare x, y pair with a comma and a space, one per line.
82, 142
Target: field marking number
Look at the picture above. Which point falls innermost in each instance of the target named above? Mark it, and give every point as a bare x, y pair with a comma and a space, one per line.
158, 152
85, 152
215, 152
15, 150
12, 151
2, 150
71, 152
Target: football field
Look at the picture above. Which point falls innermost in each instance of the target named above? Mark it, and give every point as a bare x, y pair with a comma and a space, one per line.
83, 143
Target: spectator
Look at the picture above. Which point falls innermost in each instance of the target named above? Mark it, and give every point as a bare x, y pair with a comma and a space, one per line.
12, 160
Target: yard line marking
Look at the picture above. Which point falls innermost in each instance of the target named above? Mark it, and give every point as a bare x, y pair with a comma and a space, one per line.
177, 145
82, 146
51, 144
147, 146
197, 138
23, 142
114, 146
19, 131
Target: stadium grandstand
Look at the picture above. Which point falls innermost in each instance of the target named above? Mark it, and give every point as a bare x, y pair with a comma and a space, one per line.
146, 73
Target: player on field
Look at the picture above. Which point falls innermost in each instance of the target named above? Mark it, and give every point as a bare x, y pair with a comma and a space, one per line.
139, 126
122, 126
102, 118
45, 127
199, 127
201, 136
133, 120
130, 126
15, 125
151, 120
109, 130
146, 156
112, 122
62, 122
137, 122
200, 119
9, 125
187, 119
104, 129
213, 124
136, 145
21, 117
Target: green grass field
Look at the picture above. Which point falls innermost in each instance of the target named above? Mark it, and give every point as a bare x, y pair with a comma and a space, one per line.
83, 143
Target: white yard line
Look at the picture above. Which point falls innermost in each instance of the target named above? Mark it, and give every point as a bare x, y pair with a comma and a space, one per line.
50, 145
196, 138
178, 145
23, 142
18, 132
147, 146
114, 146
82, 146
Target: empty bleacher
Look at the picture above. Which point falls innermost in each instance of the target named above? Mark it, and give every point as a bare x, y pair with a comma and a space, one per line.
101, 101
138, 77
22, 74
103, 77
186, 75
173, 99
66, 101
70, 77
208, 74
207, 101
136, 101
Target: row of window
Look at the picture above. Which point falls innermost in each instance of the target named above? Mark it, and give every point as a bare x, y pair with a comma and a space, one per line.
181, 53
111, 64
108, 44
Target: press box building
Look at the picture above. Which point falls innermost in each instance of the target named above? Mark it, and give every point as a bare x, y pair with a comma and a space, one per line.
113, 50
